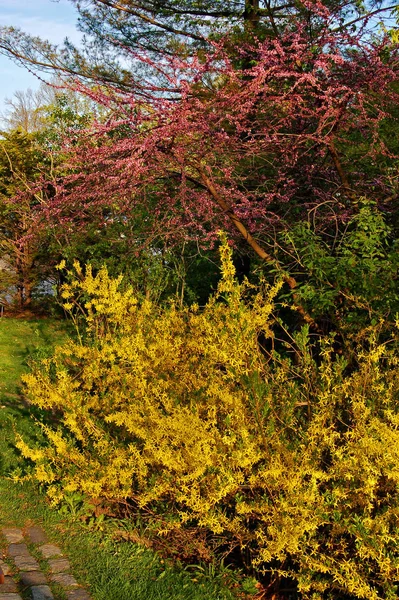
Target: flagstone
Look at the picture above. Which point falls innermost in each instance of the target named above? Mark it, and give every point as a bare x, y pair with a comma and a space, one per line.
49, 550
13, 535
42, 592
59, 565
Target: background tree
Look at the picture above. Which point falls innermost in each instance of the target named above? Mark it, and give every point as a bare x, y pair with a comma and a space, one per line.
156, 268
25, 110
20, 169
30, 171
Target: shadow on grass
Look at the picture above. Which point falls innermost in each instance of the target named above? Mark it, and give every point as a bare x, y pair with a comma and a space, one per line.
22, 342
17, 418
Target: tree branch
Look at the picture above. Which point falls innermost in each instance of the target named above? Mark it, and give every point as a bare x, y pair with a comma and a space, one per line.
151, 20
364, 17
291, 281
342, 175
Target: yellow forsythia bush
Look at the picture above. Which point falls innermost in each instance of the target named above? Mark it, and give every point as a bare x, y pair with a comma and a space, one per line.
180, 410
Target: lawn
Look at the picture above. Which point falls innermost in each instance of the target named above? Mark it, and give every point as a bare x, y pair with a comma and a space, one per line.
111, 568
20, 342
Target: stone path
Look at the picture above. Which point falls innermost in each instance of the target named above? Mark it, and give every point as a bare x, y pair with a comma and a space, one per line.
23, 576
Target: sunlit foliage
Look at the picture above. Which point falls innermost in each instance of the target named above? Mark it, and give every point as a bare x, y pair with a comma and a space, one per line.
191, 416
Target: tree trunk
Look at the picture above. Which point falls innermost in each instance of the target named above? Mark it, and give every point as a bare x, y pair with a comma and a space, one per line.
290, 281
251, 15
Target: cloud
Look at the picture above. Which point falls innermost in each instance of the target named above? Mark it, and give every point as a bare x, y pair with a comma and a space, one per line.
14, 78
49, 20
47, 29
53, 6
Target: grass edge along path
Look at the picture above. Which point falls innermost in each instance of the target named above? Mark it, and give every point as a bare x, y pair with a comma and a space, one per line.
111, 570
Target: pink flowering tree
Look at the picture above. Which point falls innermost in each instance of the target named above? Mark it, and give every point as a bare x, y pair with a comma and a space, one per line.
249, 139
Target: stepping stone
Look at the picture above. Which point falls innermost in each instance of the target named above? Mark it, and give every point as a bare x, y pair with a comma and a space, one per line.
18, 550
49, 550
5, 568
41, 592
59, 565
32, 578
9, 585
36, 535
77, 595
10, 596
13, 535
65, 579
26, 563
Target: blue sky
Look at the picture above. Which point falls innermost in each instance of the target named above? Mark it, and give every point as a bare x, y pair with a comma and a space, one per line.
49, 19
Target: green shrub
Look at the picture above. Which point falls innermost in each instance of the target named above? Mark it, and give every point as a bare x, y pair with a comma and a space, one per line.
352, 281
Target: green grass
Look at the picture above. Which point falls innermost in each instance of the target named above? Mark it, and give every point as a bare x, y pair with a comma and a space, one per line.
113, 570
21, 340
